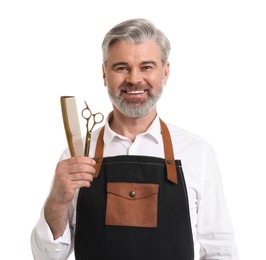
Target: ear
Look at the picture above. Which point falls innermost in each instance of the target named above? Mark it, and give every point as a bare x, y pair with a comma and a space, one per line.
104, 75
166, 72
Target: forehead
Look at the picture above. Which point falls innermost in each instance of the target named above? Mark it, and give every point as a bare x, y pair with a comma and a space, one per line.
134, 52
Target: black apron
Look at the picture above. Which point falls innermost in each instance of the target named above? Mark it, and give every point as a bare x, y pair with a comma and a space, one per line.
136, 208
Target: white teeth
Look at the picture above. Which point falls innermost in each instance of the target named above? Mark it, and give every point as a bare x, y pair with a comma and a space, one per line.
135, 92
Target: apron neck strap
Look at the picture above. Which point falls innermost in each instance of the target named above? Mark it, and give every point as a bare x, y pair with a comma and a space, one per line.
98, 155
168, 153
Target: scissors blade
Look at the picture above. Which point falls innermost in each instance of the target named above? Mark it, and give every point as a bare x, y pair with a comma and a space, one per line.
87, 144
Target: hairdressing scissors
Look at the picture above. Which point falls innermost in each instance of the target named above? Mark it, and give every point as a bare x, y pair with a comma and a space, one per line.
97, 118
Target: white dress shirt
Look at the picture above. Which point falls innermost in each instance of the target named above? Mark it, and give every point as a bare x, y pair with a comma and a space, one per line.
211, 225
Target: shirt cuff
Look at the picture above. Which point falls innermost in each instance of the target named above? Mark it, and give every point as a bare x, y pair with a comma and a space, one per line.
45, 234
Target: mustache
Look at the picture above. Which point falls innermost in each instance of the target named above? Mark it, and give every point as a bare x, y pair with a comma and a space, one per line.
135, 87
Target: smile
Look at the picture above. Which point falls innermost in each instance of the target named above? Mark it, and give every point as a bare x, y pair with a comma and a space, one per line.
135, 92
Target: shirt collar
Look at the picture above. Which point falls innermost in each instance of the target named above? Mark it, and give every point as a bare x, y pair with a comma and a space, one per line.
154, 131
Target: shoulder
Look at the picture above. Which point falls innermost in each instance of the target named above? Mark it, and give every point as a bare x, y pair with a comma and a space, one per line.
180, 133
185, 141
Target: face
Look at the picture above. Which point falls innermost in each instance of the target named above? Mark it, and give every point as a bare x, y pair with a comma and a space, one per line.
134, 76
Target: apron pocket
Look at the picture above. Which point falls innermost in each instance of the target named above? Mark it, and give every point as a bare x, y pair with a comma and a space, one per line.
132, 204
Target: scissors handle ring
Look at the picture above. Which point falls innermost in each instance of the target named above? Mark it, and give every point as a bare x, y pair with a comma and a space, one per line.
98, 118
86, 113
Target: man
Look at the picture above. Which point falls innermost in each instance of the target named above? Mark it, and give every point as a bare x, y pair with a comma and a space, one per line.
157, 190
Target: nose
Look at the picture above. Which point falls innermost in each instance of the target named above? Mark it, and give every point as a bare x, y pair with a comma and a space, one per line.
134, 77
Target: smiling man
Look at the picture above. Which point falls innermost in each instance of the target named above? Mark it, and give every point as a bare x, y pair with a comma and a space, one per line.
158, 188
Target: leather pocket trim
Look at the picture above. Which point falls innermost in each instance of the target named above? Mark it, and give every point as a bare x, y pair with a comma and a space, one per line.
132, 204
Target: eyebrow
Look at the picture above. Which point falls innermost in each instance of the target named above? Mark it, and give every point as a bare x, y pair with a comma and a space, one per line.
119, 64
149, 62
122, 63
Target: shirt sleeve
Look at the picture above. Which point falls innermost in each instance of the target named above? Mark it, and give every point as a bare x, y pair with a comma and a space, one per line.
44, 247
214, 230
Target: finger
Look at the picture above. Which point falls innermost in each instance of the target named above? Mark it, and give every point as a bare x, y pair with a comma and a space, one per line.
76, 164
80, 160
80, 184
80, 168
81, 177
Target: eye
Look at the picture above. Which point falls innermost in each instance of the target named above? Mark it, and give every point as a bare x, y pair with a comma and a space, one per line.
121, 68
147, 67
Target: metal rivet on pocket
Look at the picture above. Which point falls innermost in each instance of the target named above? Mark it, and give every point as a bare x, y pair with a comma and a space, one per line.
132, 194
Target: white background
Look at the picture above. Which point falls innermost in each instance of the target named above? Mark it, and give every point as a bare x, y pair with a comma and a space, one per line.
216, 90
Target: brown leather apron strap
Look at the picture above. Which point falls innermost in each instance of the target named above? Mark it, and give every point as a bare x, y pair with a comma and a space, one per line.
98, 155
168, 153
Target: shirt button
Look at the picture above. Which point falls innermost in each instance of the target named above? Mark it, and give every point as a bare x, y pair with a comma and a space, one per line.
132, 194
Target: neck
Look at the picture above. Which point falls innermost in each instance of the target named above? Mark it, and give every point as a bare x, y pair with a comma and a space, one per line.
130, 127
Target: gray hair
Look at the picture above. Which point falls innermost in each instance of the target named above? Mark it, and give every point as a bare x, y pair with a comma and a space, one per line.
136, 31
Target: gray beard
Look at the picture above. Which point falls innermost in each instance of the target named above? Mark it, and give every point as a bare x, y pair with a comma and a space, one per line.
135, 110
